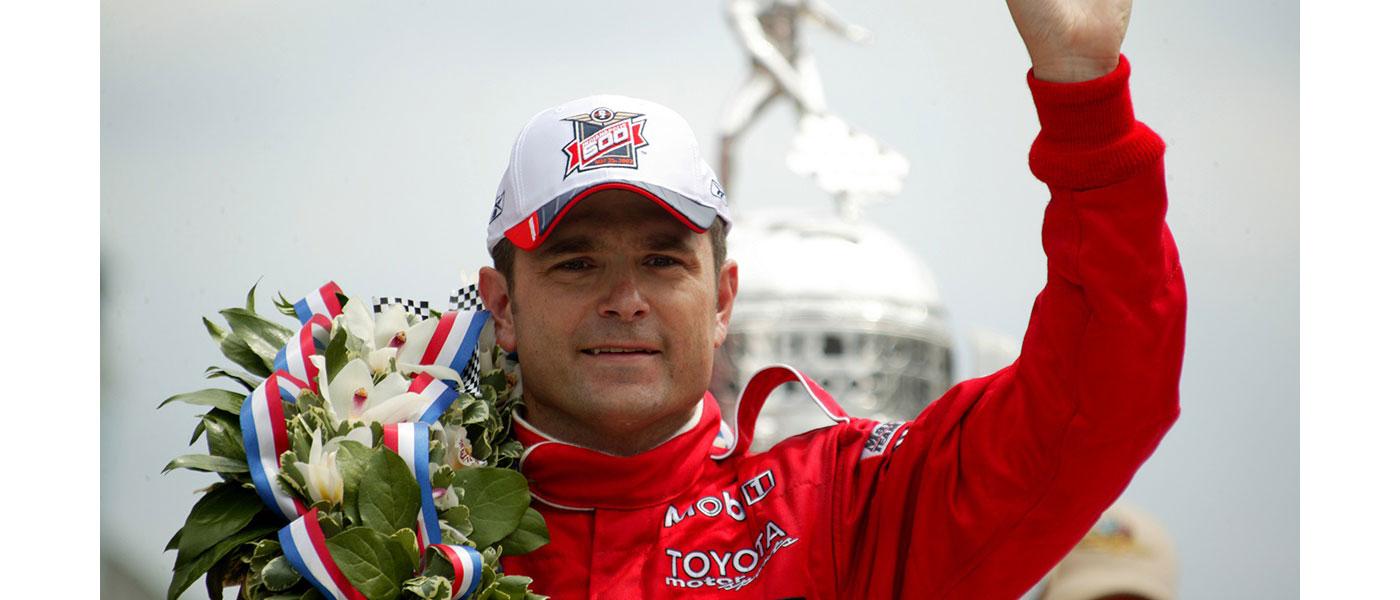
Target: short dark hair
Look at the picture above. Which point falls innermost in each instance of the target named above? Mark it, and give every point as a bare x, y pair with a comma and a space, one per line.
503, 254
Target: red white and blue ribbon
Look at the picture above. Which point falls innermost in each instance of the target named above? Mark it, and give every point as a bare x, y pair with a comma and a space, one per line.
442, 395
295, 357
320, 302
305, 547
410, 442
265, 439
453, 342
466, 568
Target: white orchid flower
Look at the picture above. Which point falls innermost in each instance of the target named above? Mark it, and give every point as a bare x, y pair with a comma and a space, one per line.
353, 396
382, 336
459, 448
416, 341
391, 327
323, 480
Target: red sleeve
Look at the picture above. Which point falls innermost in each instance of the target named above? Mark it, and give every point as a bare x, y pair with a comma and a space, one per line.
994, 482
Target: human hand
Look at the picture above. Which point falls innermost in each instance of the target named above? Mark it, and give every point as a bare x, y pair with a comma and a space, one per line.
1071, 40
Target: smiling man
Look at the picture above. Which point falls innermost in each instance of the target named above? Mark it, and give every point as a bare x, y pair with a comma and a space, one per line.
612, 288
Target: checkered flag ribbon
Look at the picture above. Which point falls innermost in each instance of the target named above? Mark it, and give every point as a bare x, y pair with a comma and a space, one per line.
465, 300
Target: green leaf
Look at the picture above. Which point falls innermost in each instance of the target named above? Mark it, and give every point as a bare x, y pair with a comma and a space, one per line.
174, 541
291, 478
221, 399
236, 349
352, 459
332, 521
408, 539
198, 431
188, 573
476, 412
458, 517
206, 463
224, 435
514, 586
248, 382
222, 512
285, 306
336, 354
251, 290
497, 499
438, 565
374, 563
455, 524
388, 496
531, 534
495, 379
429, 588
279, 574
216, 333
261, 336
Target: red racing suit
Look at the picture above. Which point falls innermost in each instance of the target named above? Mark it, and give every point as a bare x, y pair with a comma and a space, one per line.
978, 496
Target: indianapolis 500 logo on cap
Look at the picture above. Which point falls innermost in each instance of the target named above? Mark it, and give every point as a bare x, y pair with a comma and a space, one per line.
603, 138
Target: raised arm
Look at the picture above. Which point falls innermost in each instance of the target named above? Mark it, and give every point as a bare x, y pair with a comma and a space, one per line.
994, 482
822, 13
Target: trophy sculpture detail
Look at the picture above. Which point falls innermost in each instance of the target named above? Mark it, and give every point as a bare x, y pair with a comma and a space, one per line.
826, 292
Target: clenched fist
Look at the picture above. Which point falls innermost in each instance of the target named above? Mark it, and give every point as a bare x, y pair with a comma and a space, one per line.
1071, 40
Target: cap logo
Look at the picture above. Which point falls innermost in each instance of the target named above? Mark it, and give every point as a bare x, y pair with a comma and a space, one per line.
604, 138
1110, 535
497, 209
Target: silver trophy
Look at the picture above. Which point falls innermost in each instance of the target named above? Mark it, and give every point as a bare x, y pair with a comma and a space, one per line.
838, 298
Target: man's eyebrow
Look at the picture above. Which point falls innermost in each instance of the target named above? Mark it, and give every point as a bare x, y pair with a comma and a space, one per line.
667, 242
569, 245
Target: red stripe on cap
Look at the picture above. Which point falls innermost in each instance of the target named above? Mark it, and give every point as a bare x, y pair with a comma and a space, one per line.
524, 236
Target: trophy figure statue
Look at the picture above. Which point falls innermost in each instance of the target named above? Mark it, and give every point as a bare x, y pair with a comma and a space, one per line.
780, 67
826, 292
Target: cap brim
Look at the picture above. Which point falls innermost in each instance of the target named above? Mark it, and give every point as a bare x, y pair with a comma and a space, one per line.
1098, 582
531, 232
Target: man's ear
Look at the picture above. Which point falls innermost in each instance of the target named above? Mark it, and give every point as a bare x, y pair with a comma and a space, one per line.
724, 308
495, 294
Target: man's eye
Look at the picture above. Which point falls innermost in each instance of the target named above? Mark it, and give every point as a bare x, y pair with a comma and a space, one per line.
662, 261
577, 264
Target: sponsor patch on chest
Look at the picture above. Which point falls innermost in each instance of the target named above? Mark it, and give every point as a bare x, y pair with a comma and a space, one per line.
723, 562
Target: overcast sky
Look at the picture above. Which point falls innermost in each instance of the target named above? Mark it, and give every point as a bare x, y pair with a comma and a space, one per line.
305, 141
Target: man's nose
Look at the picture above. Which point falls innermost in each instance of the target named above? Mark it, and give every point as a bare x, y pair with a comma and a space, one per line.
623, 299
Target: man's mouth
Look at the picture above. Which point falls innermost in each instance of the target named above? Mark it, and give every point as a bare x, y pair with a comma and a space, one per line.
619, 350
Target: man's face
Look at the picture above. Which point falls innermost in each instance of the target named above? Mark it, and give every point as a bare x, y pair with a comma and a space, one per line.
615, 317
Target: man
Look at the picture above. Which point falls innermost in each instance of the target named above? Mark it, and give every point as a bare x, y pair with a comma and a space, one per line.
612, 288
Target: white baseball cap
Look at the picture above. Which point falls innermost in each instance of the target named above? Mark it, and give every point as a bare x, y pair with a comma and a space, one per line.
567, 153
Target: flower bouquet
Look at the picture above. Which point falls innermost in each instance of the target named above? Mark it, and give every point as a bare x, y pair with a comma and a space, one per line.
364, 456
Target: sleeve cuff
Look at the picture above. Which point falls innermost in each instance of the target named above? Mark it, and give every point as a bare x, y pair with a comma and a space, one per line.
1088, 135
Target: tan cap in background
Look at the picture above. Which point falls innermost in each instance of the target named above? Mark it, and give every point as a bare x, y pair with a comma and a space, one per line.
1127, 552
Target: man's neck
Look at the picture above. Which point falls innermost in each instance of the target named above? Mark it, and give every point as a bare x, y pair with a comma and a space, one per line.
561, 427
